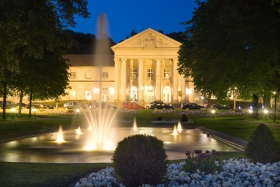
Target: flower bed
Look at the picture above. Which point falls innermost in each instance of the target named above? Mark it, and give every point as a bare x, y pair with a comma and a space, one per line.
236, 172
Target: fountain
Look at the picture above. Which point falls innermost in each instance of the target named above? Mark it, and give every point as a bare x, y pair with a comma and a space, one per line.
134, 124
100, 121
78, 130
179, 127
175, 132
59, 138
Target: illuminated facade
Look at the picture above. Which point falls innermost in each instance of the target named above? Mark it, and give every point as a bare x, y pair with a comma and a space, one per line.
142, 69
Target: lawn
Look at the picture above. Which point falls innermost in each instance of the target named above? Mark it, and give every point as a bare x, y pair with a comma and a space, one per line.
39, 174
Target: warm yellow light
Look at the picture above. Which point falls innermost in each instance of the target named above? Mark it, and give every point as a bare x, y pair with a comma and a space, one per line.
265, 111
88, 97
96, 90
77, 110
213, 111
111, 91
188, 91
13, 110
250, 111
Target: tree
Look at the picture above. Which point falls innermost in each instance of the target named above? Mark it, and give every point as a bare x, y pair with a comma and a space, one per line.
232, 44
132, 33
31, 29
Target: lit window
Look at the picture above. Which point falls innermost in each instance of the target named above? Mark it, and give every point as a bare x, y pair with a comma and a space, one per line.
104, 75
72, 75
150, 73
134, 73
88, 74
166, 73
104, 89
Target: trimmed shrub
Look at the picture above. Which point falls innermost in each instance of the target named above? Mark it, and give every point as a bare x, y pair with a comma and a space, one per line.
262, 146
184, 118
140, 159
159, 118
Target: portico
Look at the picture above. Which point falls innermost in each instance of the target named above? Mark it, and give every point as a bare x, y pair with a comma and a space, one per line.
146, 69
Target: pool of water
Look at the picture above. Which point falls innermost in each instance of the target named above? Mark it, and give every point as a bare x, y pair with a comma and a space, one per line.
45, 149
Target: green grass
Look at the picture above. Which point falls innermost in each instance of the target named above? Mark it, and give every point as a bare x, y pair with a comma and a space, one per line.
44, 174
39, 174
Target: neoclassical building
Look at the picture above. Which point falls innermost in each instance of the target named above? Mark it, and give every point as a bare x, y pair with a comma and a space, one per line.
142, 69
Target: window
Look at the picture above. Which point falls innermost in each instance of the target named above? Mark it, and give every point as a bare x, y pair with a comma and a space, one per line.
150, 73
72, 75
104, 75
134, 73
166, 73
104, 89
88, 74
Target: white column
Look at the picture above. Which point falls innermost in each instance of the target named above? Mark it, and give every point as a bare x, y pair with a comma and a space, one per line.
158, 80
123, 81
141, 80
175, 80
117, 81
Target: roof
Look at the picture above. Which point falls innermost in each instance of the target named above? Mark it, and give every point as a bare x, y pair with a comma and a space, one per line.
89, 60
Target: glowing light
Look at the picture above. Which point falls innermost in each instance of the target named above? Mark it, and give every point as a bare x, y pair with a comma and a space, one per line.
167, 142
13, 110
175, 132
109, 146
112, 91
77, 110
90, 147
78, 131
59, 138
213, 111
265, 111
179, 127
250, 111
134, 124
96, 90
188, 91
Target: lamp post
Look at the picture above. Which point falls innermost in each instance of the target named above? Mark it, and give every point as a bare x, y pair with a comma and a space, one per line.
275, 97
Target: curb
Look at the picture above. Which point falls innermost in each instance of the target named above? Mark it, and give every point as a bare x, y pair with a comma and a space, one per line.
237, 143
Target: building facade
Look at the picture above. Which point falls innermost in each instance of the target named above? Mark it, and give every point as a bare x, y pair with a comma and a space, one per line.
142, 69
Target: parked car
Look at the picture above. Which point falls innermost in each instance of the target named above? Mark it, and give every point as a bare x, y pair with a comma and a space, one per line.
219, 106
132, 105
73, 105
158, 105
9, 104
192, 106
23, 105
39, 105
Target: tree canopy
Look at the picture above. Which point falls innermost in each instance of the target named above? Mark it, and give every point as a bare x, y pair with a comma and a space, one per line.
232, 44
31, 34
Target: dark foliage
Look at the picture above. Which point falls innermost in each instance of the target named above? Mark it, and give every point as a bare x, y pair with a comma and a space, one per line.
85, 43
204, 162
140, 159
184, 118
262, 146
159, 118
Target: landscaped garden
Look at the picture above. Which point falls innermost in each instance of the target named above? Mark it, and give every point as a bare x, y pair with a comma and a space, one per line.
240, 125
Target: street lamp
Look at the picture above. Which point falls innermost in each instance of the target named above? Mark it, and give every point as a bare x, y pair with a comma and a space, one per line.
275, 97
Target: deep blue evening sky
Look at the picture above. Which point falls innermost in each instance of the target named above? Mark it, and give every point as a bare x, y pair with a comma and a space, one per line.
127, 15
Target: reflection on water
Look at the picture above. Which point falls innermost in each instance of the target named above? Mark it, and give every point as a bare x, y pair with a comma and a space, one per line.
44, 148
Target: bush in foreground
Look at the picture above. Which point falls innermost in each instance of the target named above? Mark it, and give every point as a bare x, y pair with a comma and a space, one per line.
262, 146
140, 159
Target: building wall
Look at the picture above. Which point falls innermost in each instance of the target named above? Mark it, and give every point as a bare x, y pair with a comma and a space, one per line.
145, 69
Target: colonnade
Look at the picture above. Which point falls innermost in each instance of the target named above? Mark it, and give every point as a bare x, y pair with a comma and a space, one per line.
144, 83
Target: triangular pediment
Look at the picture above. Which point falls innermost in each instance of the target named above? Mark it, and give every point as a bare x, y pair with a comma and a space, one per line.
149, 38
